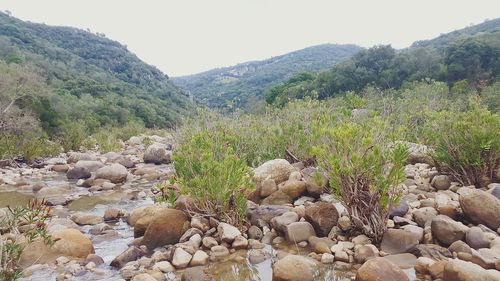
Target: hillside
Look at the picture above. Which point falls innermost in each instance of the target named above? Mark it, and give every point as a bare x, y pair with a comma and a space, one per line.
85, 77
241, 82
465, 59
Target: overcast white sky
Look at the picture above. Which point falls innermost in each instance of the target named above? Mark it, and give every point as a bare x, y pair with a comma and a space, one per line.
187, 36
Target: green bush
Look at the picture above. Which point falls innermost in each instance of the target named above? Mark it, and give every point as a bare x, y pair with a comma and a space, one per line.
364, 172
72, 135
28, 145
466, 144
208, 168
21, 226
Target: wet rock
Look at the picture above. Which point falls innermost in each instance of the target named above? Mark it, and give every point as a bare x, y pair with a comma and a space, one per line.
294, 268
441, 182
115, 173
322, 216
316, 181
457, 270
196, 274
481, 207
157, 153
380, 269
78, 173
181, 258
396, 241
299, 231
446, 230
199, 258
131, 254
476, 238
278, 170
166, 227
266, 213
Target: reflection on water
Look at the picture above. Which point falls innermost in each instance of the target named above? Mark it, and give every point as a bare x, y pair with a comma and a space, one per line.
87, 202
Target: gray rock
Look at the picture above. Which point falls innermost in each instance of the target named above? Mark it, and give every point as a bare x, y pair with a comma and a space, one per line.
476, 238
441, 182
446, 230
481, 207
157, 153
131, 254
299, 231
396, 241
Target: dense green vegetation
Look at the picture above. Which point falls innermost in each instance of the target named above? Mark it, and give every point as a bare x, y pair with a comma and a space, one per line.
60, 81
464, 59
243, 85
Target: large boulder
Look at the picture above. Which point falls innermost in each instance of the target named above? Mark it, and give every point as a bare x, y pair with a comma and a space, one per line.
299, 231
68, 242
441, 182
323, 216
115, 173
446, 230
458, 270
157, 153
78, 173
166, 228
481, 207
316, 181
294, 268
278, 170
380, 269
293, 188
397, 241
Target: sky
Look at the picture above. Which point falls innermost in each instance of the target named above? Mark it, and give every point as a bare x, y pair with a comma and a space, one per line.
183, 37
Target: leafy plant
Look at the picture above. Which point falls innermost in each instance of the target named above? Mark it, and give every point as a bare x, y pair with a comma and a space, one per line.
72, 135
22, 225
466, 144
364, 172
209, 169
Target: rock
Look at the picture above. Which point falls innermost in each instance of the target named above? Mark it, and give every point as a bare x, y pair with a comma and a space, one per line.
143, 277
441, 182
280, 222
403, 261
267, 187
293, 188
365, 253
165, 228
378, 269
432, 251
418, 153
476, 238
446, 230
112, 214
486, 258
199, 258
196, 274
436, 269
341, 256
277, 198
423, 264
74, 157
399, 210
344, 223
460, 246
87, 219
72, 243
90, 165
219, 251
361, 240
190, 233
255, 233
240, 242
201, 223
294, 268
181, 258
157, 153
481, 207
78, 173
208, 242
415, 231
396, 241
115, 173
141, 213
278, 170
227, 232
424, 215
55, 161
256, 256
60, 168
327, 258
131, 254
458, 270
320, 245
316, 181
97, 260
266, 213
299, 231
164, 266
322, 216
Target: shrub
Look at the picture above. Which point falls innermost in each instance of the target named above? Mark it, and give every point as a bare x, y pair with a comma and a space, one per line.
364, 173
29, 145
466, 144
72, 135
208, 169
21, 226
